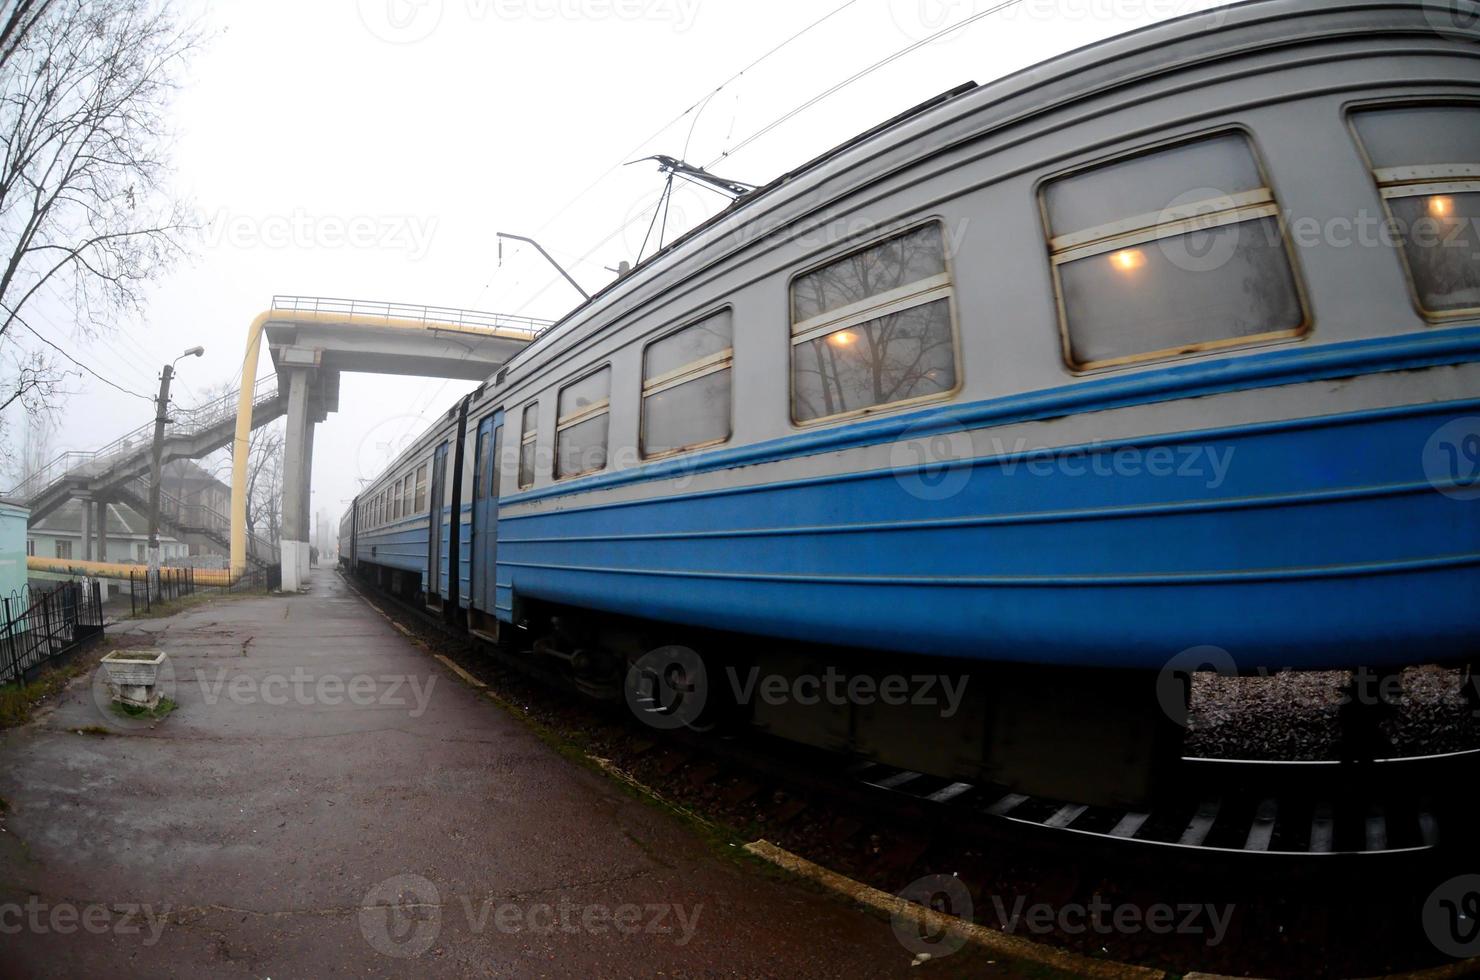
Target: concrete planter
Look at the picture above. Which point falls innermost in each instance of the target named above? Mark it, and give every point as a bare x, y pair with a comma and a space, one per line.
133, 676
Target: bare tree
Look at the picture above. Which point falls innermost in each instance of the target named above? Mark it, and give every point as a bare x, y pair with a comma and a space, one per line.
36, 451
85, 207
17, 19
265, 483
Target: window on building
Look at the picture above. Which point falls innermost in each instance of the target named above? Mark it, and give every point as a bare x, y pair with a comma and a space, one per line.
30, 547
64, 549
141, 551
421, 489
1426, 161
686, 387
528, 439
1170, 252
584, 410
873, 328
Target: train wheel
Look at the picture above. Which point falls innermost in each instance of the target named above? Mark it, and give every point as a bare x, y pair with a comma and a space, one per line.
669, 688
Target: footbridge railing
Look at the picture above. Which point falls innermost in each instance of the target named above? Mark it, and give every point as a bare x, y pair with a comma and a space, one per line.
183, 423
195, 519
431, 316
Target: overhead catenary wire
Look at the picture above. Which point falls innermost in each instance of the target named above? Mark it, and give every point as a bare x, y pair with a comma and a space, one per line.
643, 214
39, 336
696, 105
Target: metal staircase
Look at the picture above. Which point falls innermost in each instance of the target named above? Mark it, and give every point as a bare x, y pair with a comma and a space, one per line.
189, 434
194, 523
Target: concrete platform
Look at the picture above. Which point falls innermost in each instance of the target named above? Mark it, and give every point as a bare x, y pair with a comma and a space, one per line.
319, 769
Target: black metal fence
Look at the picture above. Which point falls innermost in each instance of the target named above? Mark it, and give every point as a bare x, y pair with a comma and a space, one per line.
172, 583
257, 580
39, 628
176, 583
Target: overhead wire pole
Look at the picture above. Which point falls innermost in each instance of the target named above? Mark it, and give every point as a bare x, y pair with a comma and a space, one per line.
156, 464
548, 258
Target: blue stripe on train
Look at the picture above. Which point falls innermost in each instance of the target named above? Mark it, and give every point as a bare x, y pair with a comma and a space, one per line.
1296, 544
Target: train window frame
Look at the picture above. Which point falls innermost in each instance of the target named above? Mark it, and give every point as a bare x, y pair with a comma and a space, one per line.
482, 450
1415, 181
396, 499
529, 435
1134, 230
872, 308
587, 414
408, 495
421, 501
692, 371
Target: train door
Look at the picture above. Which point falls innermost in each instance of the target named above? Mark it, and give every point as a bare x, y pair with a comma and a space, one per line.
485, 513
438, 527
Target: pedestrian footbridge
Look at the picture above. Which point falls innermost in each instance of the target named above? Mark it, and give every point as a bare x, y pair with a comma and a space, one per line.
312, 340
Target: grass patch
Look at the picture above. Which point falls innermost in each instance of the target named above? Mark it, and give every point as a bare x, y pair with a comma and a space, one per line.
18, 701
94, 730
161, 609
159, 711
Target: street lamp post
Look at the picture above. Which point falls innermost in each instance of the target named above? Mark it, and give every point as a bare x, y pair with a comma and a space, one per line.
161, 416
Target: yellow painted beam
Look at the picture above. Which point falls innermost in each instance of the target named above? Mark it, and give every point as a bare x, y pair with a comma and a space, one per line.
121, 570
241, 443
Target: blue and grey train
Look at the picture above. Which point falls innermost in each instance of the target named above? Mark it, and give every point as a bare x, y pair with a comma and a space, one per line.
1169, 343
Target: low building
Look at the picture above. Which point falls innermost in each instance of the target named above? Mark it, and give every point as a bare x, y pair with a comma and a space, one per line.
59, 535
13, 517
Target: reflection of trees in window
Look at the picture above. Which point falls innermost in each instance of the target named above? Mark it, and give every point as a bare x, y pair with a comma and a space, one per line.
893, 358
850, 354
898, 262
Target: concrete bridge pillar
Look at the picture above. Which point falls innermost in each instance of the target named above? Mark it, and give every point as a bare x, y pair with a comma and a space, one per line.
101, 522
297, 468
86, 529
305, 507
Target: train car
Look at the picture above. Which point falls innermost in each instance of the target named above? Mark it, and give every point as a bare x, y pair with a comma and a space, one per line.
1169, 344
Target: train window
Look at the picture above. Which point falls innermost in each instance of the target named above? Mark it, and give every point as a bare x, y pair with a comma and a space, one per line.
421, 489
581, 430
873, 328
1170, 252
480, 472
528, 433
396, 508
408, 494
1426, 161
686, 387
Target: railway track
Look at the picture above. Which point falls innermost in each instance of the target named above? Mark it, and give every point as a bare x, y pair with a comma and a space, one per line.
1335, 815
1258, 812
